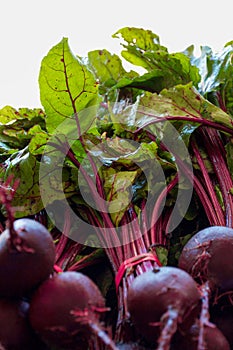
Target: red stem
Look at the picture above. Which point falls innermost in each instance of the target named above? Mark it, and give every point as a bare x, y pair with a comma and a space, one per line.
201, 192
216, 152
210, 189
199, 120
7, 192
156, 209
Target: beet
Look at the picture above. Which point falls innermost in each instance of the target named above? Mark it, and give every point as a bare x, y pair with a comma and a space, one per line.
26, 261
161, 300
208, 256
213, 337
223, 318
15, 330
66, 309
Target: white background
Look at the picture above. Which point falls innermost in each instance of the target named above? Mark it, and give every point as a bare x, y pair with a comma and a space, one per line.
28, 29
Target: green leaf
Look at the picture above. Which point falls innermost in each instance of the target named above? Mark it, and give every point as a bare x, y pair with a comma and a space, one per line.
15, 126
107, 67
117, 186
137, 42
141, 38
171, 70
180, 101
216, 71
162, 254
39, 138
24, 167
152, 81
66, 85
9, 115
166, 70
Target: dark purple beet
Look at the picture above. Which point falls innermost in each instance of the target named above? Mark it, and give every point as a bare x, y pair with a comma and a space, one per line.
23, 268
223, 318
159, 301
208, 256
15, 330
66, 310
213, 337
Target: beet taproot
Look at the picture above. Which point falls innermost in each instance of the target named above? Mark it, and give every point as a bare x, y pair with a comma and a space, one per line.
28, 261
214, 339
222, 316
161, 300
15, 330
66, 309
208, 256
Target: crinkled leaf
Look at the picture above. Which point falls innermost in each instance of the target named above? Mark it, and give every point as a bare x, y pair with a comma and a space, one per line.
141, 38
111, 150
24, 167
118, 190
9, 114
137, 42
126, 156
173, 69
215, 68
55, 180
16, 124
39, 139
216, 71
152, 81
67, 86
166, 70
180, 101
107, 67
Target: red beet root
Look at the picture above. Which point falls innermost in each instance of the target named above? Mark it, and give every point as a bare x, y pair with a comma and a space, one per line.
15, 330
208, 256
66, 309
27, 259
213, 339
223, 318
162, 300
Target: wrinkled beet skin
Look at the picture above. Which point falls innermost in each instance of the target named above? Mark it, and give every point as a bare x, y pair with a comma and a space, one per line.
208, 255
51, 306
15, 330
151, 293
21, 272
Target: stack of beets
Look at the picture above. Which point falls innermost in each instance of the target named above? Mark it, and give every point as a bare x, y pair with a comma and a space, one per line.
189, 306
170, 307
41, 309
26, 259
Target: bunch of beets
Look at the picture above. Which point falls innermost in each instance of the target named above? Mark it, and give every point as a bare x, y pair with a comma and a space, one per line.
43, 307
